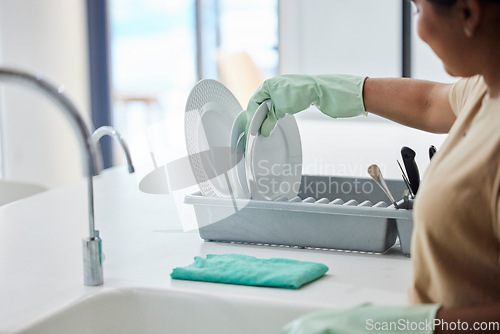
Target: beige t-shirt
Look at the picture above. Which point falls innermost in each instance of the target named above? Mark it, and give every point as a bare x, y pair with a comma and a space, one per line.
456, 236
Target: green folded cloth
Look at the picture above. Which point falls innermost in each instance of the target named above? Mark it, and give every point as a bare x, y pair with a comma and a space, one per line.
249, 270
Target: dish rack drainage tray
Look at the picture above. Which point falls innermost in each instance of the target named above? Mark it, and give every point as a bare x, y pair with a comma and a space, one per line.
343, 213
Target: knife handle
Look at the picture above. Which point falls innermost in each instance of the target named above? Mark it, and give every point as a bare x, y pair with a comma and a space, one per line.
432, 151
411, 168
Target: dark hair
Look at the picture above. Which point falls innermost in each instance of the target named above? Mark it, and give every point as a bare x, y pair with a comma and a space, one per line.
449, 3
445, 3
444, 6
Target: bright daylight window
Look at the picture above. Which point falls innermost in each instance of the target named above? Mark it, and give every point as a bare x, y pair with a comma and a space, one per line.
154, 62
153, 58
251, 26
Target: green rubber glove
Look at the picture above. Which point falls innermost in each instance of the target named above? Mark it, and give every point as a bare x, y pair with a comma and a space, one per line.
336, 95
367, 318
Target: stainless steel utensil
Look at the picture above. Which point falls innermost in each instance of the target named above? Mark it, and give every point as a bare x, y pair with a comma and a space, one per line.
405, 178
376, 175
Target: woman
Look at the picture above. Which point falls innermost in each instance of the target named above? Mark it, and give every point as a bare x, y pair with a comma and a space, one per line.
456, 239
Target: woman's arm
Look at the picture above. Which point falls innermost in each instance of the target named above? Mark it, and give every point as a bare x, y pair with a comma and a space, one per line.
471, 319
420, 104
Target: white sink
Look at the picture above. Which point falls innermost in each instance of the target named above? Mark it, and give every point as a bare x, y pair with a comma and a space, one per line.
145, 311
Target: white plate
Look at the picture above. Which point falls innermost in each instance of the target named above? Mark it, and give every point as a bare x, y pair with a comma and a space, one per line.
237, 157
211, 110
273, 164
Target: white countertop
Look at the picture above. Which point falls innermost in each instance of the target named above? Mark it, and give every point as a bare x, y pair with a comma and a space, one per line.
41, 257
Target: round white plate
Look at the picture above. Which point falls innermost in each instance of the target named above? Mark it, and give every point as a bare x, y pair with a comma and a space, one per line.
237, 157
273, 164
211, 110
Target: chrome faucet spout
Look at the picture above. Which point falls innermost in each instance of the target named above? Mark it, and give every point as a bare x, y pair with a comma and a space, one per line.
92, 246
110, 131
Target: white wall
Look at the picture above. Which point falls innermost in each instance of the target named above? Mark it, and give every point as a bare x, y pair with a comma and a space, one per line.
48, 37
1, 108
361, 37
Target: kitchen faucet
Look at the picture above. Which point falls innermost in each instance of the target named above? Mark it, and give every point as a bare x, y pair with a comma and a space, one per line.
110, 131
92, 246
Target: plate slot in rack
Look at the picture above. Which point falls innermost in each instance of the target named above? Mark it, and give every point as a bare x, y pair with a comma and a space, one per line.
337, 201
340, 213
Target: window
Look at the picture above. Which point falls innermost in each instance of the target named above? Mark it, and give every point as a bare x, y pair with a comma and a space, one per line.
156, 47
153, 56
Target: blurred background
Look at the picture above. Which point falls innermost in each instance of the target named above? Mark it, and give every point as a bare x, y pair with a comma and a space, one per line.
132, 64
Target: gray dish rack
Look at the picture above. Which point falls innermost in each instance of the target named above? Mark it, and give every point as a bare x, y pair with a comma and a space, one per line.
343, 213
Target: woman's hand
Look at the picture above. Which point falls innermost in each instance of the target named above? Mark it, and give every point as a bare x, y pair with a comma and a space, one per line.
475, 319
334, 95
367, 319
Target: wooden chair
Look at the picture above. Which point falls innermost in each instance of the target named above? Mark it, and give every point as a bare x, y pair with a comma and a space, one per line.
238, 72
